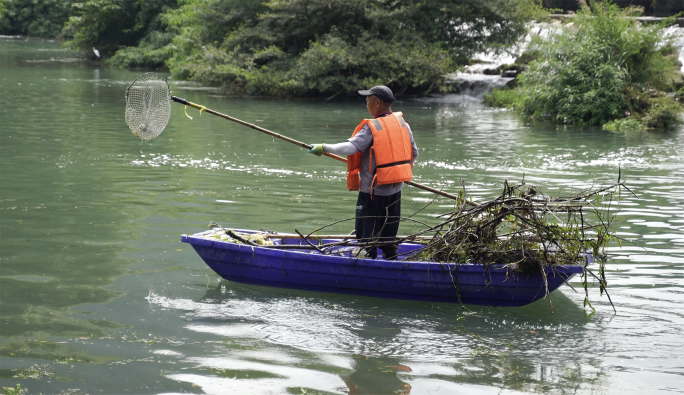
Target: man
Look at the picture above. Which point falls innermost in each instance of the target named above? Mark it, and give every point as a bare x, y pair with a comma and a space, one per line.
380, 157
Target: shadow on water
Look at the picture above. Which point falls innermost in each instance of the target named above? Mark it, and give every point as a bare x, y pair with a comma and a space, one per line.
338, 343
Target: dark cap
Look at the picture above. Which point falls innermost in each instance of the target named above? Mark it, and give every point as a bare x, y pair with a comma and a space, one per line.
381, 92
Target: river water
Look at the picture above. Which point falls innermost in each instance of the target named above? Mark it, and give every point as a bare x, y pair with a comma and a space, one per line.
99, 296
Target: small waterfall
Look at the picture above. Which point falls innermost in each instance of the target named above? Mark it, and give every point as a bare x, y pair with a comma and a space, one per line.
485, 75
677, 34
475, 85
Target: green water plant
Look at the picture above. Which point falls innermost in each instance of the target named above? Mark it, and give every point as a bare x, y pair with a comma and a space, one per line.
663, 113
36, 372
624, 125
18, 390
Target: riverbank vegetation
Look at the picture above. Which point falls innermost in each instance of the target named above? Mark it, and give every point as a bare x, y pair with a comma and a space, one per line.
295, 47
322, 48
603, 69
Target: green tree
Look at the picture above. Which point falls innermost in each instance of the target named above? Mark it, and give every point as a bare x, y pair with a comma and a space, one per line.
110, 25
194, 23
319, 47
38, 18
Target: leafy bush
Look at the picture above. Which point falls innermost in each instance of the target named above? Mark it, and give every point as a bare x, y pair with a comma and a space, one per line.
663, 113
528, 56
504, 98
587, 73
582, 88
38, 18
18, 390
624, 125
152, 52
187, 31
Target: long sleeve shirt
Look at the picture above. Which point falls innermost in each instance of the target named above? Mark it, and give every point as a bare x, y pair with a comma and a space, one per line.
362, 141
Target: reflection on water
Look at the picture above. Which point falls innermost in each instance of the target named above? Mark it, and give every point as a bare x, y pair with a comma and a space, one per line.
382, 346
95, 286
214, 161
365, 379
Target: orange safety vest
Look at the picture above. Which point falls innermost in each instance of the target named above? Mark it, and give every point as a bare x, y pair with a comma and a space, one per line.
392, 149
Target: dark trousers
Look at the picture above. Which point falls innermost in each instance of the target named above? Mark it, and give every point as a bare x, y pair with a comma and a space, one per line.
377, 219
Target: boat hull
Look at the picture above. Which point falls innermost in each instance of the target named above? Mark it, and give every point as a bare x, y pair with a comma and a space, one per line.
491, 285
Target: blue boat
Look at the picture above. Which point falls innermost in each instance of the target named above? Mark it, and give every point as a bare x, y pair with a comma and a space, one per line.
339, 271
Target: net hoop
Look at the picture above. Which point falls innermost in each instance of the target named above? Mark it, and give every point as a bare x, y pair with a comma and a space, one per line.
148, 105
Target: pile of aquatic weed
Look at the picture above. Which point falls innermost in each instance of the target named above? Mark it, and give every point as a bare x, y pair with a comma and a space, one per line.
528, 231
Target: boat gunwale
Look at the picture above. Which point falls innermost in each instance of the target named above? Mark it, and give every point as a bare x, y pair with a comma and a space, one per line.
378, 263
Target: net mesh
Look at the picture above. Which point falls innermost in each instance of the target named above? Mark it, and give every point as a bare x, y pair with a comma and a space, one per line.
148, 106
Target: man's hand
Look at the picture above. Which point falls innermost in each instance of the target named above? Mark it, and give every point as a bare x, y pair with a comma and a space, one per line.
317, 149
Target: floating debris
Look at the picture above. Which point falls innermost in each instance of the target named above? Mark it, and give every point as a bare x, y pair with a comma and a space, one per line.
230, 236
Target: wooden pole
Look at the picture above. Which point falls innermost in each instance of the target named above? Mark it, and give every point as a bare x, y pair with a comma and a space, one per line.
295, 142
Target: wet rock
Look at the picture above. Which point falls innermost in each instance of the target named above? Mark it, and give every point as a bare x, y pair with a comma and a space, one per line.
512, 83
518, 68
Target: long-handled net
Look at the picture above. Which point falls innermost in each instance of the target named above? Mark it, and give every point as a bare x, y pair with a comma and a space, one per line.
148, 106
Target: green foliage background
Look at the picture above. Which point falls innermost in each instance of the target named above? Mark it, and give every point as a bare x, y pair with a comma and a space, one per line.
319, 47
282, 47
38, 18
